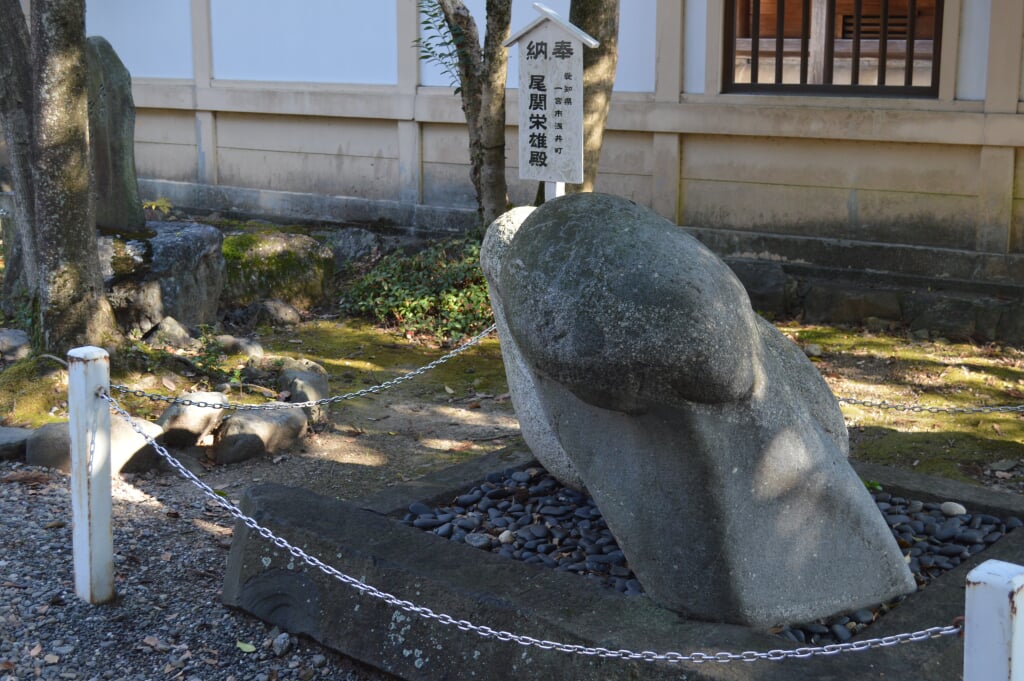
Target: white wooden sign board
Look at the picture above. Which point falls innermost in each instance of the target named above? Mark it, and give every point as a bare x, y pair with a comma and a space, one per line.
551, 98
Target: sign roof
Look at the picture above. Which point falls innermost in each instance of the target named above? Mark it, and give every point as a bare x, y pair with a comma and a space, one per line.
548, 14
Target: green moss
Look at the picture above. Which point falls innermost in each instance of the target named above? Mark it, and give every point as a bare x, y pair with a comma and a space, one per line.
257, 268
357, 354
238, 247
33, 392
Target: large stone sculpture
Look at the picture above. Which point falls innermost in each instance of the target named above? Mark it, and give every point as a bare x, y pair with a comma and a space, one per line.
712, 445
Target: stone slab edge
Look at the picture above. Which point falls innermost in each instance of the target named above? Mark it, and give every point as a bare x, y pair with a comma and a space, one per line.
486, 589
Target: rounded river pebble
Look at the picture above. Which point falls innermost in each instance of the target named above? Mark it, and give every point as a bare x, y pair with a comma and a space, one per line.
528, 515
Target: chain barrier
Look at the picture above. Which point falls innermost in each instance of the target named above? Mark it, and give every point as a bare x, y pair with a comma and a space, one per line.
475, 340
486, 631
917, 408
501, 635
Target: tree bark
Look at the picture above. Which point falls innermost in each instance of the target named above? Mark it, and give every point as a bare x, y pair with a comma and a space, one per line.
55, 246
599, 18
482, 74
16, 120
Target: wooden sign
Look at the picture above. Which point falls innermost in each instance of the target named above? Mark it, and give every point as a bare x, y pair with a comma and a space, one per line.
551, 98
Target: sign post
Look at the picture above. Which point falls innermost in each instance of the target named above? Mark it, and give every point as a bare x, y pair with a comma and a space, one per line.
551, 100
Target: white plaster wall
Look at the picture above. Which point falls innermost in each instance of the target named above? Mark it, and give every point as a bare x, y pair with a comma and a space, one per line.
972, 61
152, 37
695, 26
637, 24
312, 41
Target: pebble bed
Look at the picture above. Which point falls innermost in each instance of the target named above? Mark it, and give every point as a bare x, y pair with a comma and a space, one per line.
528, 515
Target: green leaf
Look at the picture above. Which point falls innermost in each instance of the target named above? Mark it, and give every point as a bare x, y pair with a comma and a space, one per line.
245, 647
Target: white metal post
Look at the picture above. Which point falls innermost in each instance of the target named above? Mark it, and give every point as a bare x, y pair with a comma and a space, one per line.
994, 629
92, 535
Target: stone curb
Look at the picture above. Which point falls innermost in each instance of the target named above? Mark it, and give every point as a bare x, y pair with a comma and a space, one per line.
363, 539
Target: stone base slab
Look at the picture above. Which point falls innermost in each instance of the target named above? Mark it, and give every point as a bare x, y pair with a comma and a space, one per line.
366, 541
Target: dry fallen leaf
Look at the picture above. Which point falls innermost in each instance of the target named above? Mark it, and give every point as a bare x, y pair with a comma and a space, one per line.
449, 390
27, 477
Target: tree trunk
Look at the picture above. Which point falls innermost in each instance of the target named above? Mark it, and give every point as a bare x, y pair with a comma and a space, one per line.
55, 249
16, 120
599, 18
482, 74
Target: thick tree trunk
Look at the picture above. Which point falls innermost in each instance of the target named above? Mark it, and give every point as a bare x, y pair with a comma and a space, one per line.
482, 75
599, 18
16, 120
55, 254
493, 72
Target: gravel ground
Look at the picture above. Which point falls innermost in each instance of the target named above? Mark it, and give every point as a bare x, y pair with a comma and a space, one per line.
167, 622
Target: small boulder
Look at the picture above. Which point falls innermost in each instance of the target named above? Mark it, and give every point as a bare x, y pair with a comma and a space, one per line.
50, 446
130, 451
179, 273
294, 268
185, 425
12, 443
170, 332
276, 313
242, 346
248, 434
305, 386
14, 344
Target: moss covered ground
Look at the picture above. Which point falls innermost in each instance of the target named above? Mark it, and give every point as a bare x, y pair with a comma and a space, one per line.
891, 366
900, 369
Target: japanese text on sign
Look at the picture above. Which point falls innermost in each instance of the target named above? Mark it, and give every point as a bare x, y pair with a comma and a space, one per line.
550, 106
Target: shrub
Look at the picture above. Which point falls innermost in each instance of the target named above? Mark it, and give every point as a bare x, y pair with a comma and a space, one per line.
438, 292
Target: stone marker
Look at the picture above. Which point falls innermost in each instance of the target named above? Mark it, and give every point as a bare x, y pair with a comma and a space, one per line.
112, 140
712, 445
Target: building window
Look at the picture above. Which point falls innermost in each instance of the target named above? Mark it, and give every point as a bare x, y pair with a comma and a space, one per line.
833, 47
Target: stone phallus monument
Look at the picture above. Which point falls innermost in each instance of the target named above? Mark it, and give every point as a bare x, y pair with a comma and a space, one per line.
715, 450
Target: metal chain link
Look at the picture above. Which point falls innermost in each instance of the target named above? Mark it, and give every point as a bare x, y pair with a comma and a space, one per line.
501, 635
917, 408
475, 340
